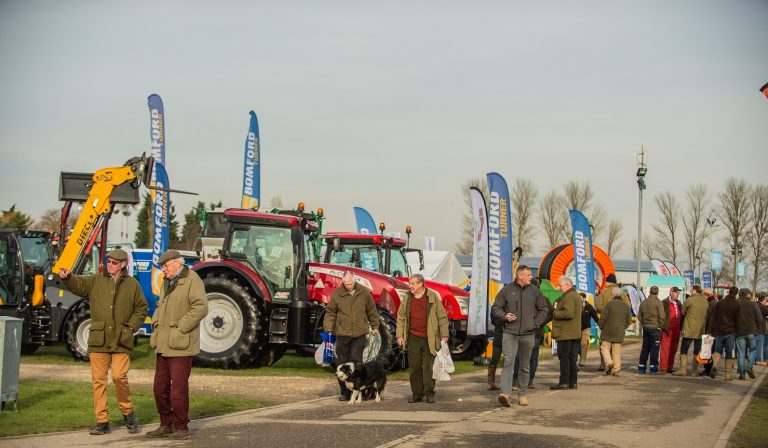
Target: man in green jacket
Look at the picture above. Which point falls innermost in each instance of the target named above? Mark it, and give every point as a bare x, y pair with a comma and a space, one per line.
176, 339
422, 325
694, 320
616, 317
603, 298
351, 315
118, 309
566, 330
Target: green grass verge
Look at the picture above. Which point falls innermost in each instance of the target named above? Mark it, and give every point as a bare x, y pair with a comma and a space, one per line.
750, 431
143, 357
54, 406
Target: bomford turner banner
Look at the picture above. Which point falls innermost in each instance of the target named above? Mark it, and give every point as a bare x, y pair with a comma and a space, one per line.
500, 242
252, 166
583, 259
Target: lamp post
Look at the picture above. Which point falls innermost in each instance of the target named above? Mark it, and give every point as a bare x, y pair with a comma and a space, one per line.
736, 252
642, 170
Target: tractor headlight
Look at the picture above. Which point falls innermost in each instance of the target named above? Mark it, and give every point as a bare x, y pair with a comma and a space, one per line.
463, 305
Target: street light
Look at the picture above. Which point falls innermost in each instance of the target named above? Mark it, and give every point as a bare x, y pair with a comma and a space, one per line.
642, 170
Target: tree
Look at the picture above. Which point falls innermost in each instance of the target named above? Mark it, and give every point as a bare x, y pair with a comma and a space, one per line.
13, 219
144, 221
580, 196
50, 220
613, 245
757, 237
666, 239
735, 214
523, 197
695, 228
192, 229
551, 219
465, 244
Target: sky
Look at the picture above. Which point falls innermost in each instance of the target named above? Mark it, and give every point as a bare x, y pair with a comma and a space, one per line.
387, 105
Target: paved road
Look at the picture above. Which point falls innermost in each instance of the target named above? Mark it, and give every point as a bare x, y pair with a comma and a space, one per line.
627, 411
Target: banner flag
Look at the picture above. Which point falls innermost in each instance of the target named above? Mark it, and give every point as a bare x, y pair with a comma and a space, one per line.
252, 166
584, 262
156, 129
764, 90
659, 266
716, 260
160, 224
706, 279
690, 278
365, 222
741, 269
672, 269
477, 323
500, 243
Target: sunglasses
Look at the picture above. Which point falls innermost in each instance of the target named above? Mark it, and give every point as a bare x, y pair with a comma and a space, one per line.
113, 262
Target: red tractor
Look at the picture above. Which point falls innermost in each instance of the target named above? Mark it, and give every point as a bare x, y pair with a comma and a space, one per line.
266, 293
387, 255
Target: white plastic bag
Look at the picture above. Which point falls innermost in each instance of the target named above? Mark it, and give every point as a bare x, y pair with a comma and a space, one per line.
706, 346
319, 354
372, 347
443, 364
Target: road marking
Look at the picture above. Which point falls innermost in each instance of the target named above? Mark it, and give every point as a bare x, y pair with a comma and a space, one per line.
399, 441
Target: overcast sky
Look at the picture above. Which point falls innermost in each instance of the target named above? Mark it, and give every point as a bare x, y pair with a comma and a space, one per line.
387, 105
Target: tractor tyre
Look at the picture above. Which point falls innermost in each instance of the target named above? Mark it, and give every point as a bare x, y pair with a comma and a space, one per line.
387, 330
77, 327
234, 333
462, 346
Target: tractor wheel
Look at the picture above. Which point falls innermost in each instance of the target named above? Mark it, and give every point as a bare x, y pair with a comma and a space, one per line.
270, 355
462, 347
387, 330
234, 333
76, 330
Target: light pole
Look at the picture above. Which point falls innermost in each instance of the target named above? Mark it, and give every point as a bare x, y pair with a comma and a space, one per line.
642, 170
736, 252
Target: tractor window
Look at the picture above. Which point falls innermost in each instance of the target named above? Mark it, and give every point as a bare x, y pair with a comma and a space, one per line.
366, 257
36, 253
8, 272
398, 266
270, 250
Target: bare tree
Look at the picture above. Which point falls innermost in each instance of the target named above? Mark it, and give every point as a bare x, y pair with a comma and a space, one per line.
695, 228
551, 219
578, 195
50, 220
465, 244
735, 214
524, 195
757, 237
666, 239
613, 245
597, 219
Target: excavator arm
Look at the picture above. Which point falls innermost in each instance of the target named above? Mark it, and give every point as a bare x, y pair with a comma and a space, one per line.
97, 207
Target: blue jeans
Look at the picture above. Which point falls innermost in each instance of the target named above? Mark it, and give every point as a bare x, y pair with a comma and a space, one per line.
759, 348
651, 345
534, 360
745, 347
724, 345
765, 347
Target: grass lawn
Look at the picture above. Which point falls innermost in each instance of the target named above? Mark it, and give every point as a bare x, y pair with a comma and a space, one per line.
751, 430
143, 357
53, 406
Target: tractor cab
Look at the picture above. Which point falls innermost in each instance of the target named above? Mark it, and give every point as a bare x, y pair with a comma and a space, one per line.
383, 254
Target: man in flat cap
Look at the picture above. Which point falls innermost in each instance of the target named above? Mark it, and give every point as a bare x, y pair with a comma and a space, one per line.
176, 338
118, 309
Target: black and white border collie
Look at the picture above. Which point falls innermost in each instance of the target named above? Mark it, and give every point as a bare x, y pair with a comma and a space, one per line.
367, 378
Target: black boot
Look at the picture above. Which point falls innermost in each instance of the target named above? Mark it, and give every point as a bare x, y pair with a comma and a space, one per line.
100, 429
131, 424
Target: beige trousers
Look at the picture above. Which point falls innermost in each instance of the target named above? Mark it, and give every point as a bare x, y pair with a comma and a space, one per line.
611, 352
100, 363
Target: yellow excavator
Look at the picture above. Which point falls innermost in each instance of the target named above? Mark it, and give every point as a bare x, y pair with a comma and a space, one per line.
50, 312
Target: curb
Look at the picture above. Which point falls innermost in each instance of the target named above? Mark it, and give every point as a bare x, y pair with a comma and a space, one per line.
722, 440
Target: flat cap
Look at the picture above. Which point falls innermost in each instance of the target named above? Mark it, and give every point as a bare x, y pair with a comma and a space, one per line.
117, 254
675, 289
169, 255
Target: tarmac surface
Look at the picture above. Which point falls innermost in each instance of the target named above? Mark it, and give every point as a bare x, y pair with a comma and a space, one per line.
629, 410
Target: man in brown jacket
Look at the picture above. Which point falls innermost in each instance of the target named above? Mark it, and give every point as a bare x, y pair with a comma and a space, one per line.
694, 320
118, 309
614, 321
176, 339
603, 298
351, 315
566, 329
422, 326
